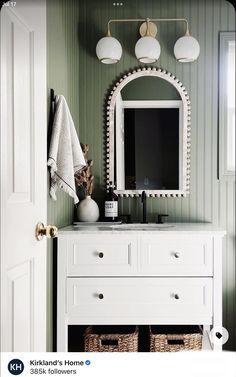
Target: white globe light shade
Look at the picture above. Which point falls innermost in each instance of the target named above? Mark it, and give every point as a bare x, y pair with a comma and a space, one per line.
147, 49
186, 49
109, 50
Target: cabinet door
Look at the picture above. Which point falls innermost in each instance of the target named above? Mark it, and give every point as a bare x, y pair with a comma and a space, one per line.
139, 300
101, 255
177, 256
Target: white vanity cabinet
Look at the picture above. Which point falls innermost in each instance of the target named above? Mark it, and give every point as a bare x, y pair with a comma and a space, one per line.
160, 276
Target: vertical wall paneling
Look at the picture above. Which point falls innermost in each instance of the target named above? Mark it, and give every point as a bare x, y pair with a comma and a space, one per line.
72, 37
63, 76
207, 115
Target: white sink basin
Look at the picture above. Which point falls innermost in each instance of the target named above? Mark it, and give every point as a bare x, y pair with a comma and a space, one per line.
139, 226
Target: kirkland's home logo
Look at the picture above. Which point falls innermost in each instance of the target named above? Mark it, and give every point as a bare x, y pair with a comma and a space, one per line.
15, 367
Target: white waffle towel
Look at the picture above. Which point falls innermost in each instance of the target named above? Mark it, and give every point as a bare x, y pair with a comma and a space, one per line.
65, 153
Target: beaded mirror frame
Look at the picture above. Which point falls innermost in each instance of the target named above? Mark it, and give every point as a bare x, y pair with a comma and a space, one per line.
186, 130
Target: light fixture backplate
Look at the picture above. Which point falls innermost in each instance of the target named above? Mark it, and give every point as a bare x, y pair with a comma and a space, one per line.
152, 29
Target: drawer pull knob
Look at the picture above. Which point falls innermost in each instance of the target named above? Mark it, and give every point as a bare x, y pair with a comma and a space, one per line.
176, 296
100, 255
100, 296
177, 255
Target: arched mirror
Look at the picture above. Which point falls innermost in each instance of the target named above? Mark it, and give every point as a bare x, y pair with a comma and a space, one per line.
148, 135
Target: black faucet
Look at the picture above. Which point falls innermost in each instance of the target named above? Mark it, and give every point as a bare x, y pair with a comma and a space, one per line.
160, 218
144, 201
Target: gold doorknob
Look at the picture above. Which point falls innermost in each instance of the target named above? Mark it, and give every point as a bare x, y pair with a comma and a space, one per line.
49, 231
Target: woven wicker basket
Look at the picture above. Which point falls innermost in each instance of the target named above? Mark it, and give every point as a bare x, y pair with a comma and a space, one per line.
96, 341
186, 338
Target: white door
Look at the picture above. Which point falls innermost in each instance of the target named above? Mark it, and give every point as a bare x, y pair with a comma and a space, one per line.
23, 175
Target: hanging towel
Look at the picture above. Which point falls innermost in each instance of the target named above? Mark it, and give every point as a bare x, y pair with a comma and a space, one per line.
65, 153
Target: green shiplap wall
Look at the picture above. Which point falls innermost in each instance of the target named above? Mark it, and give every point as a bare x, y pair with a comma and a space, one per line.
74, 70
151, 89
210, 199
63, 77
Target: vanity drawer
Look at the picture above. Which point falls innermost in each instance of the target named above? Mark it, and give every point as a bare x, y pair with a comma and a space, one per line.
177, 256
139, 301
102, 256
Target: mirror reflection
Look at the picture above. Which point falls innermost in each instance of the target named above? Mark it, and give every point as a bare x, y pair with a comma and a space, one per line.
148, 133
151, 148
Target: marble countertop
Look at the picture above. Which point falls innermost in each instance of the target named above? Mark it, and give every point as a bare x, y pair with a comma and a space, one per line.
171, 228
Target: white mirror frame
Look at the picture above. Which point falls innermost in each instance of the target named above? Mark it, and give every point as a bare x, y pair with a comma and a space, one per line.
110, 133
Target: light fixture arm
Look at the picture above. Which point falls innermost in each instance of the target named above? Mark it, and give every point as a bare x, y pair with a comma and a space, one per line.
147, 48
148, 28
147, 20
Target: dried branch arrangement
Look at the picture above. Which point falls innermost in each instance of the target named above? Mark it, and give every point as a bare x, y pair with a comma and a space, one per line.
85, 178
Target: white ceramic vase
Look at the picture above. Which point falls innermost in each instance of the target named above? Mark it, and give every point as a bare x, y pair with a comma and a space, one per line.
88, 210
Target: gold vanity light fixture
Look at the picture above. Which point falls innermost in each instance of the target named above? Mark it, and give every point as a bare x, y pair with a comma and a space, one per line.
147, 48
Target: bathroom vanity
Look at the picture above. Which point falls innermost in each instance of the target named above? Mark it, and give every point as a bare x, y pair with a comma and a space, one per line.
139, 274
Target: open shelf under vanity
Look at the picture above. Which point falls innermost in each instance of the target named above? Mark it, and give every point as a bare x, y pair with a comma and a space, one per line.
76, 338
